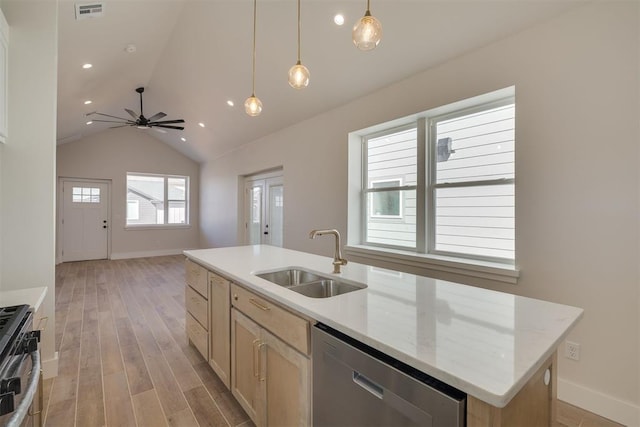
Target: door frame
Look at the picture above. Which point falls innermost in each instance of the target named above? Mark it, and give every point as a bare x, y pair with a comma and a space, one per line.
59, 212
244, 182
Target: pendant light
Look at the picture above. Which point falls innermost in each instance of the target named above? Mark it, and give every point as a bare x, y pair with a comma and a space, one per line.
367, 32
298, 74
253, 106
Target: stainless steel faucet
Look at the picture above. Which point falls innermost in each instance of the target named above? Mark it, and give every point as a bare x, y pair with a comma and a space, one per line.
337, 255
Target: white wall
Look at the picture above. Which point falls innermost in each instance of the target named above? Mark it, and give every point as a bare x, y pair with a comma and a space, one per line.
110, 155
27, 168
577, 160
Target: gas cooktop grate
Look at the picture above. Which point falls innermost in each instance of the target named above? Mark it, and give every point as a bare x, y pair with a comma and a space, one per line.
10, 321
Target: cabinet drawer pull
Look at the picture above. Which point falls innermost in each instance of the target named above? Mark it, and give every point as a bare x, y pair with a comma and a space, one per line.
259, 362
42, 320
260, 306
255, 357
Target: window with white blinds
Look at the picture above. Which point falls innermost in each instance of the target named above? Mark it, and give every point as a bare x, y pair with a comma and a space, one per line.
464, 204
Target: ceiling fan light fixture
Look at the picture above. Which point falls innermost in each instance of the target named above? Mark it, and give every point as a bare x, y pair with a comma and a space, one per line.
367, 32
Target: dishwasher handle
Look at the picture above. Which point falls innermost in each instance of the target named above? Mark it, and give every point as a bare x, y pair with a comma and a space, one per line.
369, 385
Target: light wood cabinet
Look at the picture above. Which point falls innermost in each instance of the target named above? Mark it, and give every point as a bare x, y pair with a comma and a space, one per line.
197, 305
270, 377
534, 405
220, 328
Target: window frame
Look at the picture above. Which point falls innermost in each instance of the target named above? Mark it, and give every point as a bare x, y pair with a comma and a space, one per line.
166, 201
433, 186
424, 255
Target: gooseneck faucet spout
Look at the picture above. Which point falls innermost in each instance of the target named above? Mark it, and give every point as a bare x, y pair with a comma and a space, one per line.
337, 255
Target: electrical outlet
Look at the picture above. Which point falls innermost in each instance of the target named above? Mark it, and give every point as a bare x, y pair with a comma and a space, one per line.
572, 350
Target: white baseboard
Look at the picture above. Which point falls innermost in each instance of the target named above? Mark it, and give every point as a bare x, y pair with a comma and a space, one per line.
606, 406
50, 367
145, 254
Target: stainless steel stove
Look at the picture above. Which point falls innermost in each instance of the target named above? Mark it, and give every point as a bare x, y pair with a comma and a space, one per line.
20, 373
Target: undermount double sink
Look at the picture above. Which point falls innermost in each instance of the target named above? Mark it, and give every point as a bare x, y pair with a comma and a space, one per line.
309, 283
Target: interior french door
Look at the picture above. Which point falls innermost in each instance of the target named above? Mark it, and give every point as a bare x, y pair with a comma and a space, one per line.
264, 211
84, 224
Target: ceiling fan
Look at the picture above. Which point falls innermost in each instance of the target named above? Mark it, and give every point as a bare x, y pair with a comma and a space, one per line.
141, 122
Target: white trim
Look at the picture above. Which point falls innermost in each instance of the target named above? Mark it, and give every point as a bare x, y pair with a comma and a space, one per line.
606, 406
473, 268
155, 227
147, 254
50, 367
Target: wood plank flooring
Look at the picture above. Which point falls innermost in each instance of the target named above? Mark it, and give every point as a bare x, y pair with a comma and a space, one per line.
124, 356
125, 360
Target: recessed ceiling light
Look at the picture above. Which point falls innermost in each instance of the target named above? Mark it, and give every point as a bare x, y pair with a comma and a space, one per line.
90, 122
338, 19
131, 48
183, 139
87, 102
201, 124
230, 103
87, 66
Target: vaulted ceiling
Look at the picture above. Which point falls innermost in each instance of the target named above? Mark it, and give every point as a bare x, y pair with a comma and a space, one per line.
192, 56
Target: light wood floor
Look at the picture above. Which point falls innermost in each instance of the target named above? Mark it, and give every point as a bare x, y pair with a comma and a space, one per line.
123, 353
124, 357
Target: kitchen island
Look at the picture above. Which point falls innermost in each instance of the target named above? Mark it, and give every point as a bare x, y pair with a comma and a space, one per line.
488, 344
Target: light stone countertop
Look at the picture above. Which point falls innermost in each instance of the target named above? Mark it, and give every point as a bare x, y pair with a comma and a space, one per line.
33, 297
485, 343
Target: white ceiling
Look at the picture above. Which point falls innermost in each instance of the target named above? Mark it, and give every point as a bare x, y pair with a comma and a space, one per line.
194, 55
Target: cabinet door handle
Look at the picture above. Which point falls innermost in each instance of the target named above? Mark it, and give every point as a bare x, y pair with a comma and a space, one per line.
260, 306
259, 362
255, 358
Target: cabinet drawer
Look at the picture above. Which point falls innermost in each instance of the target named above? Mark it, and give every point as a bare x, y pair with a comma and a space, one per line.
290, 328
198, 336
196, 277
214, 280
197, 307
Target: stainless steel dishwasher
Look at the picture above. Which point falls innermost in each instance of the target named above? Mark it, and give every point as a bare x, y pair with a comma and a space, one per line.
356, 385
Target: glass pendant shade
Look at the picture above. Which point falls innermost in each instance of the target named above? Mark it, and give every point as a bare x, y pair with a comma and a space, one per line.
298, 76
367, 32
253, 106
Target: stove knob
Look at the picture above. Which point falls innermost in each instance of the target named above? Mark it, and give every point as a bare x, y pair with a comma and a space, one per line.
11, 385
6, 403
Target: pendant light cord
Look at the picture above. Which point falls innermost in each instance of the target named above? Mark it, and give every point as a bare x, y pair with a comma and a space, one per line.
298, 31
253, 78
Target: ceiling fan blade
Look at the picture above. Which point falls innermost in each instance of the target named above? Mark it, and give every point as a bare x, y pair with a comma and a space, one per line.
107, 115
166, 122
167, 127
131, 113
125, 123
157, 116
121, 126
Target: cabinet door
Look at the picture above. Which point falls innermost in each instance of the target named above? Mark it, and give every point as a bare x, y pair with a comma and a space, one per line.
286, 374
245, 361
220, 353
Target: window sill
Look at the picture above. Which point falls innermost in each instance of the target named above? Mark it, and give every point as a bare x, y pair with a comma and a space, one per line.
477, 269
156, 227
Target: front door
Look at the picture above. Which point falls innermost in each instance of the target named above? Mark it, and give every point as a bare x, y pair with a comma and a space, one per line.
84, 220
264, 211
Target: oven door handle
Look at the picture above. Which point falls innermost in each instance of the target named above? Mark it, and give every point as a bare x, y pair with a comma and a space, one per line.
23, 408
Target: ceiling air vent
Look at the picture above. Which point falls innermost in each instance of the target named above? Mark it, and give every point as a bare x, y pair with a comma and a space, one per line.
89, 10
